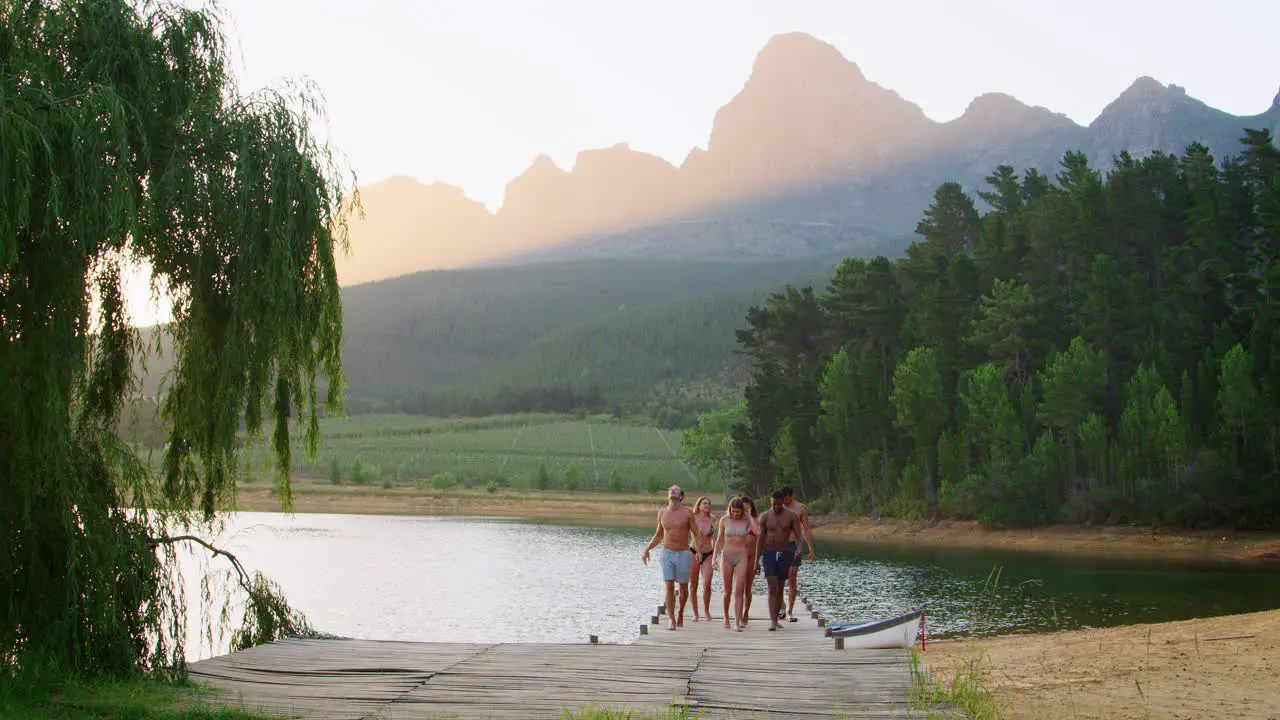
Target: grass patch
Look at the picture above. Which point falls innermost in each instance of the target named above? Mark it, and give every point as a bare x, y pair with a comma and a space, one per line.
962, 692
599, 454
114, 699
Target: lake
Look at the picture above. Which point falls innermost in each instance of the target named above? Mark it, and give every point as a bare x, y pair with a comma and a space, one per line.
453, 579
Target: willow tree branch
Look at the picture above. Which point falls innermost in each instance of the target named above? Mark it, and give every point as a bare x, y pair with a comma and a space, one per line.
235, 561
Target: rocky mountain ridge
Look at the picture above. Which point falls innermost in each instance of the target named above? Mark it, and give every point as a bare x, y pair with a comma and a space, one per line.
809, 157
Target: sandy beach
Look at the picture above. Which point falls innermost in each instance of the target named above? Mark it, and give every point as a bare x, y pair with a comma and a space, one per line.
1223, 667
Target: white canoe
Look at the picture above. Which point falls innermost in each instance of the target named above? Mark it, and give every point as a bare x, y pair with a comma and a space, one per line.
895, 632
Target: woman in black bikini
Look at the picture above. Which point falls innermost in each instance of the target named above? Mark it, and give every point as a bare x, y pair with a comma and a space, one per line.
753, 535
732, 549
704, 529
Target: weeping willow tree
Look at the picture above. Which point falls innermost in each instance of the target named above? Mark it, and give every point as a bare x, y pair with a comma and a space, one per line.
124, 138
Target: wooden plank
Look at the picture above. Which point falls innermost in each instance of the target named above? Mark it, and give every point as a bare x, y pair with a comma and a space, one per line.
791, 673
542, 680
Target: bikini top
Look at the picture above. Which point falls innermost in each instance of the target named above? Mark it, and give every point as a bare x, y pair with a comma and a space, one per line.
737, 533
711, 529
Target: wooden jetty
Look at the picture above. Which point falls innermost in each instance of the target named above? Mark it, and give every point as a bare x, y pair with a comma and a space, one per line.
792, 673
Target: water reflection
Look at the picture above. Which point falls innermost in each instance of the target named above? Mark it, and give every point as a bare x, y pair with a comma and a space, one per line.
494, 580
989, 592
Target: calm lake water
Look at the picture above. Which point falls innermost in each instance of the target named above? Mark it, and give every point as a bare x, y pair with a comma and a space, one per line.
496, 580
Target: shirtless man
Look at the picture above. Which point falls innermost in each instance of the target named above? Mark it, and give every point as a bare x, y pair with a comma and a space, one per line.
777, 525
675, 532
799, 509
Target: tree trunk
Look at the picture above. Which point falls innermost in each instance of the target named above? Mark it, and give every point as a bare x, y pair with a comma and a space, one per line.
930, 472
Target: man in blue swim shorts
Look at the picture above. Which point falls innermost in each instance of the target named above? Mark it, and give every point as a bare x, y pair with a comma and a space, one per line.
675, 532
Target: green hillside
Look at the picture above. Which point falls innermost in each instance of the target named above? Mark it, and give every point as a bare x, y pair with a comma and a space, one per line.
437, 341
669, 361
555, 337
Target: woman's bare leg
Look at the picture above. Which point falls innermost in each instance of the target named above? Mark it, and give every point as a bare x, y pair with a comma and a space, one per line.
693, 586
740, 588
726, 574
707, 567
749, 582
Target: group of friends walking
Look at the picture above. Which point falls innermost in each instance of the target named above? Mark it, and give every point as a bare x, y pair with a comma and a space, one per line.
741, 543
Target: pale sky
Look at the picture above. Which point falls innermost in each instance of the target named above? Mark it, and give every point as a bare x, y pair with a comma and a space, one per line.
469, 92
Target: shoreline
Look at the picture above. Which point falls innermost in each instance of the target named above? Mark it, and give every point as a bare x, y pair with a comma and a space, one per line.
639, 511
1207, 667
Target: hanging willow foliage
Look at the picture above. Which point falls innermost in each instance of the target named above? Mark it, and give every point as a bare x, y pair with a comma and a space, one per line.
122, 135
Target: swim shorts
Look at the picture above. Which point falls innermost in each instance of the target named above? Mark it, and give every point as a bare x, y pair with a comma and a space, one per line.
795, 562
777, 563
676, 565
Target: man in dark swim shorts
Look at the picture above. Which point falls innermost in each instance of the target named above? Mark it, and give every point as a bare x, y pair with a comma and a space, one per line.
799, 509
777, 525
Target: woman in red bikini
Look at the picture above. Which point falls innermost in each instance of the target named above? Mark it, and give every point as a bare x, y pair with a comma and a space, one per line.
704, 530
753, 535
733, 548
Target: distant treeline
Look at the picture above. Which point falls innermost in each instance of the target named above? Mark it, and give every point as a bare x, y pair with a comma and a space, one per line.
450, 402
1099, 348
672, 406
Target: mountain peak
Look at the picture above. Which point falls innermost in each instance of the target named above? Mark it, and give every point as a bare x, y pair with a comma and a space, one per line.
1147, 91
806, 115
1143, 100
799, 56
542, 164
1144, 85
996, 119
995, 103
997, 108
